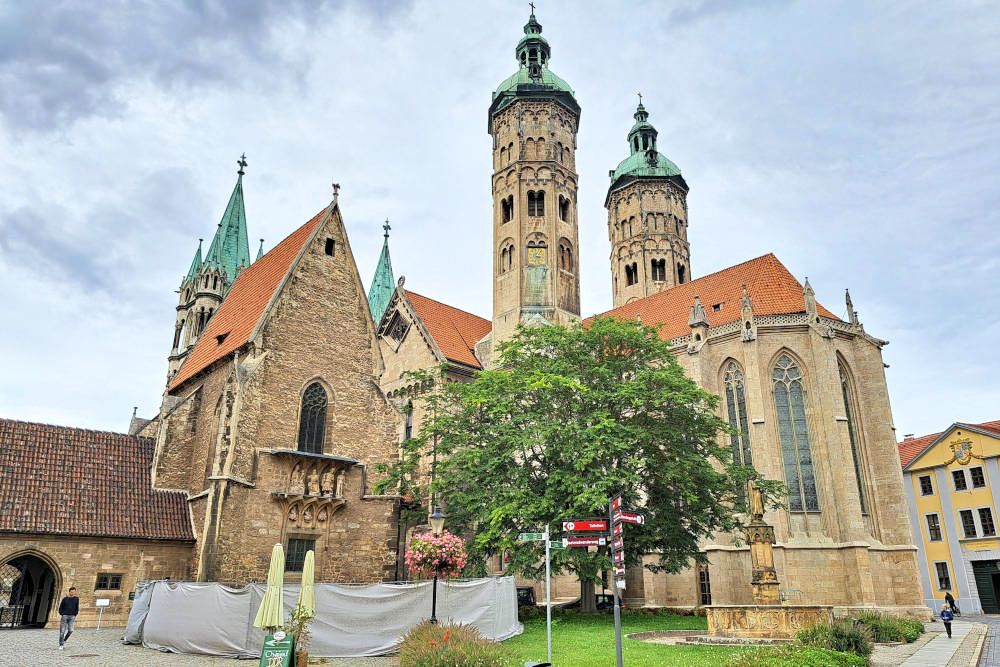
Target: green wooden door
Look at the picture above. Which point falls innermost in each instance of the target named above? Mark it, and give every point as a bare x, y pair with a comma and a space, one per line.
984, 571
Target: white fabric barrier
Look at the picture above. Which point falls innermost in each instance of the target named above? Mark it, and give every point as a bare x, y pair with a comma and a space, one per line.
352, 620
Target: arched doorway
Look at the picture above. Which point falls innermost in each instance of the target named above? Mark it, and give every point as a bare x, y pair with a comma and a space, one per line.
28, 584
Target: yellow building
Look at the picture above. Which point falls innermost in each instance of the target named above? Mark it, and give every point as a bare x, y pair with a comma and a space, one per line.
952, 484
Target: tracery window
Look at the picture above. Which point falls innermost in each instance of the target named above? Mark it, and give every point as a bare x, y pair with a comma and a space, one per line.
312, 419
736, 406
796, 455
852, 434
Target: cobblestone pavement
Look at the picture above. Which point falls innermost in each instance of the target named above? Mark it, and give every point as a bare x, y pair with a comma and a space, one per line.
935, 649
991, 650
30, 648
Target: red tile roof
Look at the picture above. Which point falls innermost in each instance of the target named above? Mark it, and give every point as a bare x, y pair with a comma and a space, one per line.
911, 448
244, 306
70, 481
773, 289
455, 331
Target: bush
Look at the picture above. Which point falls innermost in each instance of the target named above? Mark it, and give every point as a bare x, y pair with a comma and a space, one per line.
846, 636
886, 628
796, 655
429, 645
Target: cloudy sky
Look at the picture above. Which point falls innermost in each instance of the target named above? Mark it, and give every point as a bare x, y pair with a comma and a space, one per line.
860, 142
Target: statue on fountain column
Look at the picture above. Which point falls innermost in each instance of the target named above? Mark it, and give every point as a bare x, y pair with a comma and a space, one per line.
761, 536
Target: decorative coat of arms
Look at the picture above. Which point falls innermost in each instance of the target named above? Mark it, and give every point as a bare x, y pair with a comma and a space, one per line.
962, 449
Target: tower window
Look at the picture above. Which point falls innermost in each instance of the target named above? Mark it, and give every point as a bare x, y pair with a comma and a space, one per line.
215, 282
565, 256
631, 274
536, 202
563, 209
681, 277
330, 245
659, 269
507, 209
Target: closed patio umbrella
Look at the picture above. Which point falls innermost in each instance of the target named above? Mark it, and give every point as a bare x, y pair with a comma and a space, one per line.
270, 613
307, 593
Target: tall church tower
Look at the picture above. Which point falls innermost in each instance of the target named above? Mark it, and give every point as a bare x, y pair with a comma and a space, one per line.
533, 121
647, 219
208, 279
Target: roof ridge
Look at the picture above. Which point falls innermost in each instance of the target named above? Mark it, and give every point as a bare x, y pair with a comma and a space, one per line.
447, 305
71, 428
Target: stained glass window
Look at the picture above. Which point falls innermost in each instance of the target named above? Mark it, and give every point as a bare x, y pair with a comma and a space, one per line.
852, 434
796, 455
736, 406
312, 421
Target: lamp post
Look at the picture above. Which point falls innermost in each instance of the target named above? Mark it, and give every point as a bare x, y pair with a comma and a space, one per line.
436, 519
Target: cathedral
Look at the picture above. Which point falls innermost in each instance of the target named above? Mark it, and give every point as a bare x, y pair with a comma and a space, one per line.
287, 388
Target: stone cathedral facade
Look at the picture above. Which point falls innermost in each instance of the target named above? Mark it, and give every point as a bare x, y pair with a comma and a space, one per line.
803, 387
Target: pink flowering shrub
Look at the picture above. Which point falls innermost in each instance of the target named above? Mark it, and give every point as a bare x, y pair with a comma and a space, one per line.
444, 553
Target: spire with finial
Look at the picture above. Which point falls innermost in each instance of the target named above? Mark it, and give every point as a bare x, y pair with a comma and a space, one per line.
260, 250
810, 298
852, 315
195, 264
383, 282
230, 248
336, 192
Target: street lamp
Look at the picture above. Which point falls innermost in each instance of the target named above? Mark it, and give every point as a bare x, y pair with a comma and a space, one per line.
436, 519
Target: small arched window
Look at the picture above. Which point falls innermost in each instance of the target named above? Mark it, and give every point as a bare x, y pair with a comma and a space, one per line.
681, 274
659, 269
736, 407
312, 419
853, 432
536, 202
793, 430
563, 208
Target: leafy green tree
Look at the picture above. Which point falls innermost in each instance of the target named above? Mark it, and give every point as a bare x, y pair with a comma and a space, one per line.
570, 417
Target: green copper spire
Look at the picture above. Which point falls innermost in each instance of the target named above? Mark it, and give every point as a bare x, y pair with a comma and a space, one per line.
195, 264
644, 160
533, 78
383, 284
230, 249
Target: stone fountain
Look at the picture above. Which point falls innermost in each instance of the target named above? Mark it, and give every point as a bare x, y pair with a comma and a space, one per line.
767, 618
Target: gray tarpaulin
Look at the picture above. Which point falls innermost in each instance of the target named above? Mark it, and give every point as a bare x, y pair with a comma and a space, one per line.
351, 619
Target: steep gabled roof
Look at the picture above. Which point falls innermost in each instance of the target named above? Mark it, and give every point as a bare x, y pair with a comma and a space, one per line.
772, 287
454, 331
245, 304
910, 449
59, 480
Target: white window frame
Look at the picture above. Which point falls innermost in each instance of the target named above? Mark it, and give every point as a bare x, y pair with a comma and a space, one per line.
964, 476
927, 526
921, 486
979, 521
975, 523
937, 575
985, 481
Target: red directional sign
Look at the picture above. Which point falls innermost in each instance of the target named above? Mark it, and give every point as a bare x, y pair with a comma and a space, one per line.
584, 541
628, 517
617, 530
619, 571
616, 504
585, 525
618, 544
618, 557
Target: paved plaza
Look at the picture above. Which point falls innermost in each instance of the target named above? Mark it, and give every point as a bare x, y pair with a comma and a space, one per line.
40, 648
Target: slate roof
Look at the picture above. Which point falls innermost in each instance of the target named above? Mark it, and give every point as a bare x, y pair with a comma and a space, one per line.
59, 480
772, 287
455, 331
245, 304
911, 448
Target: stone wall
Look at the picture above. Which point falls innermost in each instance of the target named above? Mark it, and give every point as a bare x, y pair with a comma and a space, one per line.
76, 561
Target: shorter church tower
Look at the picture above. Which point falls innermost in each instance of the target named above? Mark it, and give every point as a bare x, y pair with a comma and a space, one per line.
647, 219
209, 278
383, 283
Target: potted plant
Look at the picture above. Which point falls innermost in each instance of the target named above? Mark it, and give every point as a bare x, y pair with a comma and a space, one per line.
298, 625
441, 555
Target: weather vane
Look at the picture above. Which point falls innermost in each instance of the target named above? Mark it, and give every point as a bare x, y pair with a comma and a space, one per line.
243, 163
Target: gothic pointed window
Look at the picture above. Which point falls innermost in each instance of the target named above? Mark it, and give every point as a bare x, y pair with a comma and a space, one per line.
793, 430
852, 434
736, 407
312, 419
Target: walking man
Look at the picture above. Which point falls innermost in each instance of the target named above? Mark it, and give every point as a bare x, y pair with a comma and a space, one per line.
68, 609
950, 599
947, 616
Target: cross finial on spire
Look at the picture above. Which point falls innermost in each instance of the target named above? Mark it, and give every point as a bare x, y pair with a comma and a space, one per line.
386, 227
532, 5
640, 98
336, 192
243, 163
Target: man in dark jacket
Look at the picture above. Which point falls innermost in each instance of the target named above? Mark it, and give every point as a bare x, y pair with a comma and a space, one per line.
68, 609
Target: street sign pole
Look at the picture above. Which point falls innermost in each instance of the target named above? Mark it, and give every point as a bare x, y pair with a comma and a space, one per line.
618, 601
548, 599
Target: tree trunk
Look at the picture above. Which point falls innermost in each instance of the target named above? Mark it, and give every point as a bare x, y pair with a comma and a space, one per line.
588, 603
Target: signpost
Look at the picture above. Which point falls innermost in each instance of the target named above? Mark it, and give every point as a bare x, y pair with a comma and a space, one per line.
585, 526
584, 541
616, 517
102, 604
277, 650
532, 537
549, 546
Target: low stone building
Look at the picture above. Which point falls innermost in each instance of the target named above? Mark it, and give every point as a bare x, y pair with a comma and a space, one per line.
77, 508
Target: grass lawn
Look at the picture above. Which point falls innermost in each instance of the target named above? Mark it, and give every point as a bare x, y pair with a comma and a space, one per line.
590, 640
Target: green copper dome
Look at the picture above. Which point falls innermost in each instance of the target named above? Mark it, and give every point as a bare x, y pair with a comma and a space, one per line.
533, 77
644, 161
